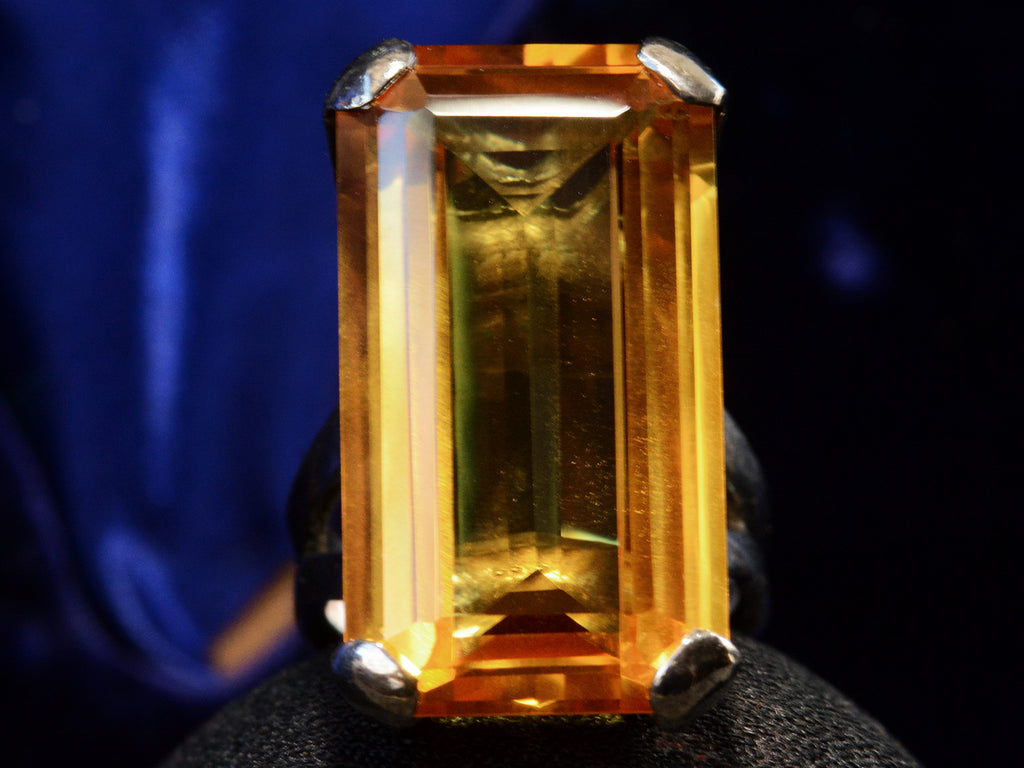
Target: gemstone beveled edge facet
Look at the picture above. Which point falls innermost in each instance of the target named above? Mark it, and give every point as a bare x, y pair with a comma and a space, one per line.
372, 72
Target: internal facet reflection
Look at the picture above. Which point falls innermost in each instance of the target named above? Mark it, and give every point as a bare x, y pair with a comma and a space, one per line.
533, 378
532, 479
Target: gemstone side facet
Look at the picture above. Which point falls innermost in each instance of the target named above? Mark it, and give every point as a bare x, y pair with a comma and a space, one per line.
533, 480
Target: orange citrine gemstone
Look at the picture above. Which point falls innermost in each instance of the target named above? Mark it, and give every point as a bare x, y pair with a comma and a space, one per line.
533, 481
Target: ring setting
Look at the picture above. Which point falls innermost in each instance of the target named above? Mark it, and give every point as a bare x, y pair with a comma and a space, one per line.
533, 460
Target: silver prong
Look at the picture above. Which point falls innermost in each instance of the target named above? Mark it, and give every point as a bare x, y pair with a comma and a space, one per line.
367, 77
374, 683
686, 76
690, 680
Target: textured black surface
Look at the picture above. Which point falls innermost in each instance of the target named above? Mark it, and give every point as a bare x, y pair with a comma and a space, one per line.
775, 714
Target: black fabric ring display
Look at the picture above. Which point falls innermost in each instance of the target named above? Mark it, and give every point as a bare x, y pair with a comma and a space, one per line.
775, 713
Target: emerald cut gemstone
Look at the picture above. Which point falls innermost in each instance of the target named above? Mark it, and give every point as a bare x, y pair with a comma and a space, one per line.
533, 480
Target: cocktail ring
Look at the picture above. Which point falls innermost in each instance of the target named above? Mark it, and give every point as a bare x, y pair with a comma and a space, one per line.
543, 506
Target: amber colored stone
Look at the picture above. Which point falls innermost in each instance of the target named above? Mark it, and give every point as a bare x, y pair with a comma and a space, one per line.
533, 484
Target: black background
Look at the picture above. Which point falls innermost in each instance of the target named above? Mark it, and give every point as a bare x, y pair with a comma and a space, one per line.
869, 178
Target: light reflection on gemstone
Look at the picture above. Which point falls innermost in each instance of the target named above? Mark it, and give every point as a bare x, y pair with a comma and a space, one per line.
525, 105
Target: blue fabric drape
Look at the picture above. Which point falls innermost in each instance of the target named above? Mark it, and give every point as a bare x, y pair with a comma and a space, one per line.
167, 300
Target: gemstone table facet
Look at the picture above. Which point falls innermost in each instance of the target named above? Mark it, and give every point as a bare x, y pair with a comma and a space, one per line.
533, 480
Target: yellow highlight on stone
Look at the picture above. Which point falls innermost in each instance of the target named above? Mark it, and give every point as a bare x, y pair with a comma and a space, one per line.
533, 480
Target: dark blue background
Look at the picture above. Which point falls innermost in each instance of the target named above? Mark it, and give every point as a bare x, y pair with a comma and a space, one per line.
167, 337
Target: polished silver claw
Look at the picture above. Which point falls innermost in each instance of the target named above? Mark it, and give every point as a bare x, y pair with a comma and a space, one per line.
372, 72
690, 680
686, 76
374, 683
